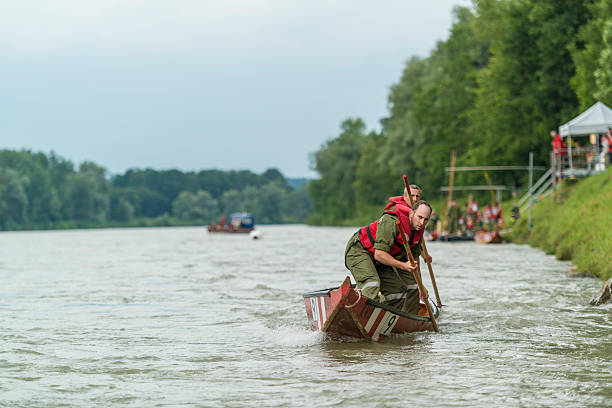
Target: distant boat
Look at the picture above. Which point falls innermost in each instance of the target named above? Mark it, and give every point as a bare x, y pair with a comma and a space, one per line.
343, 311
431, 236
444, 237
486, 237
243, 222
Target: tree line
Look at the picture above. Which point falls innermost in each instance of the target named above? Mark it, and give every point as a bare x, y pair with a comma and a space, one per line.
39, 190
509, 72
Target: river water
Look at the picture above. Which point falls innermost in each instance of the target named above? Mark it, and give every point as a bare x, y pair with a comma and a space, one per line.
180, 317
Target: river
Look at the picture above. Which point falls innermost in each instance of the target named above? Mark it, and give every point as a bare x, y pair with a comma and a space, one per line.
180, 317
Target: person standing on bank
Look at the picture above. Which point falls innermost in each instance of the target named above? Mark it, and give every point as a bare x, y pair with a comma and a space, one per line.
379, 262
609, 137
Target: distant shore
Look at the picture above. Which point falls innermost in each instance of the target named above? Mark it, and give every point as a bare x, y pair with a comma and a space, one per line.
579, 230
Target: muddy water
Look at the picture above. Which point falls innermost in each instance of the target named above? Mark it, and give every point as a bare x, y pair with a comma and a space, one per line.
178, 317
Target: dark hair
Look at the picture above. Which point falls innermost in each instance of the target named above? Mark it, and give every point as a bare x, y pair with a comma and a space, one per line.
420, 203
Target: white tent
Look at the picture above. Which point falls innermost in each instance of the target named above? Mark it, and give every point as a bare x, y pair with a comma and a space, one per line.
596, 119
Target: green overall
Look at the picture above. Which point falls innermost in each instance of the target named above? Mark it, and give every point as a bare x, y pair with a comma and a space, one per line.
398, 287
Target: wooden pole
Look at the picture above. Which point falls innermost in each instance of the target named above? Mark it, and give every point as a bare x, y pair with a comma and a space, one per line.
417, 277
424, 247
529, 223
452, 177
449, 197
431, 274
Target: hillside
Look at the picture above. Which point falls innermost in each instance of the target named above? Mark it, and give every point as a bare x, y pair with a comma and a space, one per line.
579, 230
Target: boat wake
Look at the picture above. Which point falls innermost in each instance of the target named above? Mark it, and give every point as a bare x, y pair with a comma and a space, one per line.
288, 335
295, 336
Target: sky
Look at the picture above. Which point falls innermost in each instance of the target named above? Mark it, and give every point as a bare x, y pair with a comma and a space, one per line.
195, 84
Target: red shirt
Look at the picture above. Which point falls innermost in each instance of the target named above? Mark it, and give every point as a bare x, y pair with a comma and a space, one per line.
558, 144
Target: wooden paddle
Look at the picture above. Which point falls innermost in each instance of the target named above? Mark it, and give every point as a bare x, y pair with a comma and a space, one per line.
417, 276
451, 180
427, 259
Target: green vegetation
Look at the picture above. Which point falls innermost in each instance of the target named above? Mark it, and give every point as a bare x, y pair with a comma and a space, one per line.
580, 229
510, 71
46, 192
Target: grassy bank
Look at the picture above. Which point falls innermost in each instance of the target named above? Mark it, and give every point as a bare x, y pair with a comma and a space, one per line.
579, 230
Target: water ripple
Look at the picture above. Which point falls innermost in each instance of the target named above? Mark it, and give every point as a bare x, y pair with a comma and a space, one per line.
180, 317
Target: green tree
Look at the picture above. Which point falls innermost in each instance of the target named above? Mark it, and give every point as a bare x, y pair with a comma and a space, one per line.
592, 56
431, 104
333, 197
200, 206
13, 198
230, 202
524, 91
87, 194
295, 207
39, 189
120, 208
269, 200
374, 180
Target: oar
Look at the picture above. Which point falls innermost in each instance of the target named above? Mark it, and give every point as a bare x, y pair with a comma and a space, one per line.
417, 277
431, 274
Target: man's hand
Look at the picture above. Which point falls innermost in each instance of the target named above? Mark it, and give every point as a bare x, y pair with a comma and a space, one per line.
424, 296
428, 258
410, 266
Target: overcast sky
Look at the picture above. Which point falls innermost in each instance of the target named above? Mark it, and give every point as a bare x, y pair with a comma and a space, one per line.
195, 84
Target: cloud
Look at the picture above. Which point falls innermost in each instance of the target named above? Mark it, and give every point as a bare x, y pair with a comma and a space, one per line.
133, 83
30, 27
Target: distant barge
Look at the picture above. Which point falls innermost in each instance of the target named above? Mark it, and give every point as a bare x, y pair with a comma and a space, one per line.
239, 223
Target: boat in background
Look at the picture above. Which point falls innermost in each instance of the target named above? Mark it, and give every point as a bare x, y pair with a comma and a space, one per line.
343, 311
239, 223
486, 237
431, 236
444, 237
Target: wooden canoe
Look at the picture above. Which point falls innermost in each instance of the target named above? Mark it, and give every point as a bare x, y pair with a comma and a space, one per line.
486, 237
343, 311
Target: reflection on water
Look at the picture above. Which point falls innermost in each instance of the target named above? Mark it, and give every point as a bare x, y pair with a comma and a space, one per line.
176, 316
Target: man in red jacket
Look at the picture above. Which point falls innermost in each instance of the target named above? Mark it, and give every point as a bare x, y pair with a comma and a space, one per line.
557, 143
609, 136
378, 261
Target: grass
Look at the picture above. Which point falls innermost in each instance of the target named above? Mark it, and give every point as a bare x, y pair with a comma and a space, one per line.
579, 230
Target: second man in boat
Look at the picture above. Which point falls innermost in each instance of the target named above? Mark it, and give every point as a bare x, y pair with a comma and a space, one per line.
377, 259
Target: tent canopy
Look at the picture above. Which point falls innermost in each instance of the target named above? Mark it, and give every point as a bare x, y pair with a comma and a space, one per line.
596, 119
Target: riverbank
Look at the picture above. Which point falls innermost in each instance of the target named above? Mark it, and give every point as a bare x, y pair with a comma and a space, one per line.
579, 230
162, 221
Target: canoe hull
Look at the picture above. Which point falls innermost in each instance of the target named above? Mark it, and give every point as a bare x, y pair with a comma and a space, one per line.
343, 311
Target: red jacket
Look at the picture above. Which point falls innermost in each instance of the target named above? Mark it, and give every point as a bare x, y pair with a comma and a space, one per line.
367, 234
558, 145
